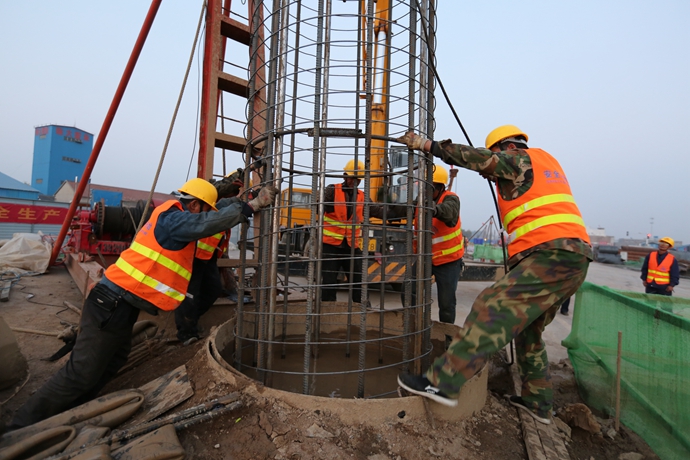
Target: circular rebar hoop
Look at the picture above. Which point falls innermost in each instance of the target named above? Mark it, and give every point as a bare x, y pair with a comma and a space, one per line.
340, 81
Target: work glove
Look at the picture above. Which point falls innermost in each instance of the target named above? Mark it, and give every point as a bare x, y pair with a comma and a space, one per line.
412, 140
265, 198
230, 185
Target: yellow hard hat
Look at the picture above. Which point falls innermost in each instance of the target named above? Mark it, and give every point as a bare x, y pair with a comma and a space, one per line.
667, 239
503, 132
440, 175
352, 169
240, 176
202, 190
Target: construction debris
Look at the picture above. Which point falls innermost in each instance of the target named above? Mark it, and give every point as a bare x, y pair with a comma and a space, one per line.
161, 395
579, 415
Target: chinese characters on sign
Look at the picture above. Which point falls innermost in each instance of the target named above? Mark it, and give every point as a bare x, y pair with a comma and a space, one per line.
28, 214
70, 135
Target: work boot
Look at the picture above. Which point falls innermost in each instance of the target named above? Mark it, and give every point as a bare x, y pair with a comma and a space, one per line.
190, 340
538, 415
420, 385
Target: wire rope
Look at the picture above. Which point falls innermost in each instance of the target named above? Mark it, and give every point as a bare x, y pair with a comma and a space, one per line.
174, 117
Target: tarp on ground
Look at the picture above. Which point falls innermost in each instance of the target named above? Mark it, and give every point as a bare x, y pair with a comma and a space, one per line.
25, 253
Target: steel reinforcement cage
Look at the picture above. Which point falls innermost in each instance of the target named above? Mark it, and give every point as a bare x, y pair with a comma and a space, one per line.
338, 80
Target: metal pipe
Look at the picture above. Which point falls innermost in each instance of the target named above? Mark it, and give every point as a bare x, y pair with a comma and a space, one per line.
107, 123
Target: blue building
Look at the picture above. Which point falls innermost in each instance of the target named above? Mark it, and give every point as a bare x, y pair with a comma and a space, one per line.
60, 153
12, 188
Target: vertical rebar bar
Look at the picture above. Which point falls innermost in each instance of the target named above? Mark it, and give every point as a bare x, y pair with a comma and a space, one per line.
324, 145
298, 17
367, 180
318, 164
278, 67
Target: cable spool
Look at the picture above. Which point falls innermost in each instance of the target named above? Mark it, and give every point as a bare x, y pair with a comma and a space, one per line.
119, 220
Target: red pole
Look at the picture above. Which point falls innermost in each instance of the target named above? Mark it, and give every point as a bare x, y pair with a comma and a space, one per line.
145, 28
207, 124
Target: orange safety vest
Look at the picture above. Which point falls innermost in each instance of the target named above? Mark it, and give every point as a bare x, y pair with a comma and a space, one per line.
447, 243
147, 270
336, 225
205, 247
659, 273
547, 211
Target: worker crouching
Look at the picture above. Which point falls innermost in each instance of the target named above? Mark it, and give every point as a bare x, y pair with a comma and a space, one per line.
152, 274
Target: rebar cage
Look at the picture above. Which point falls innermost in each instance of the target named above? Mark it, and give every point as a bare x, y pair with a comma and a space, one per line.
330, 82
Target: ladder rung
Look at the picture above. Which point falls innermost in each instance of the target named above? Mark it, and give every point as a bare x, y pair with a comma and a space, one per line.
234, 85
235, 30
230, 142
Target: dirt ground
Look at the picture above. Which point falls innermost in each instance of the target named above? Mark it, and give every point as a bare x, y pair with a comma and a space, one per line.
270, 428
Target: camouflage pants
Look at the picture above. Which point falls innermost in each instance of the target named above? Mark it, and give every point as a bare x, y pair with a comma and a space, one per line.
519, 305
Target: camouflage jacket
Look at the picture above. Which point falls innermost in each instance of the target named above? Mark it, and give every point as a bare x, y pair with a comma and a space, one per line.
512, 171
448, 211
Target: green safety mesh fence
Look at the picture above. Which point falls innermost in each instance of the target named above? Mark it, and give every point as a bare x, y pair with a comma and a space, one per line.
488, 253
655, 362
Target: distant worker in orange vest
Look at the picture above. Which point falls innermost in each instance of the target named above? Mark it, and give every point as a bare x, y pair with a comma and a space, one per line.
447, 246
660, 272
343, 211
153, 274
549, 253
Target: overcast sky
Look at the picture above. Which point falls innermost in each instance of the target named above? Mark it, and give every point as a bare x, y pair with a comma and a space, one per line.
603, 86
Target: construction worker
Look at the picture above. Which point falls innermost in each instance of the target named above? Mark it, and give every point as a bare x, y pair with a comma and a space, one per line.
660, 272
447, 246
549, 253
343, 209
152, 274
205, 285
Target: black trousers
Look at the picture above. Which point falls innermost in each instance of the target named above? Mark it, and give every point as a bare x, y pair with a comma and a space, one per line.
205, 287
656, 289
336, 258
447, 277
101, 349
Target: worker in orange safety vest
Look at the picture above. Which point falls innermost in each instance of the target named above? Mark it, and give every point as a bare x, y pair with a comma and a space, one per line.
205, 284
660, 271
549, 253
447, 246
342, 232
152, 275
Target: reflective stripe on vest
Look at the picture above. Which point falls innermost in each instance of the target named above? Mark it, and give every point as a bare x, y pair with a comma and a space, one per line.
161, 259
157, 275
336, 225
447, 243
659, 273
150, 282
207, 246
547, 211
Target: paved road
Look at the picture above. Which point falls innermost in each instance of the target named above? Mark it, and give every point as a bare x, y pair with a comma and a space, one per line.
615, 277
